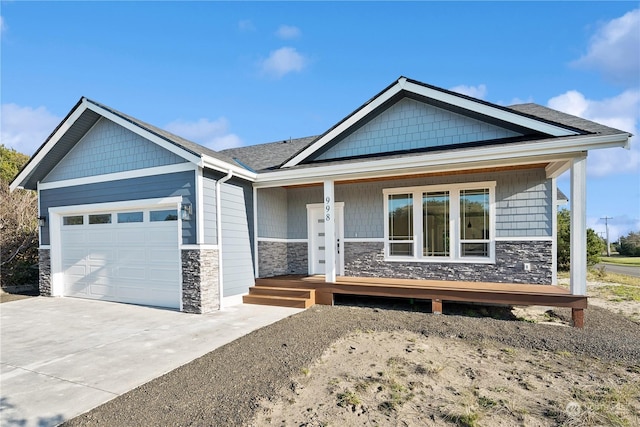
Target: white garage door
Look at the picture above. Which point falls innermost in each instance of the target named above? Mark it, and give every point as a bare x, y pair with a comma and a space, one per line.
124, 256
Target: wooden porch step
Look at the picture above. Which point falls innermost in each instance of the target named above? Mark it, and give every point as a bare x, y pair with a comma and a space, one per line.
285, 282
282, 296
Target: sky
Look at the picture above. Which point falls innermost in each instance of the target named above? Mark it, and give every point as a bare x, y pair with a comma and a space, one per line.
227, 74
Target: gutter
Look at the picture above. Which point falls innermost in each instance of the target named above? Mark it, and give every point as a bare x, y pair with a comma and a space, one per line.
219, 232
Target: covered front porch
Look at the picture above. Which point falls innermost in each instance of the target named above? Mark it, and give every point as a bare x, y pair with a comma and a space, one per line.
304, 291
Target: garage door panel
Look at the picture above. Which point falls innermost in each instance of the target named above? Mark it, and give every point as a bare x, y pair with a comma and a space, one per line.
75, 236
130, 256
130, 235
160, 276
160, 255
103, 236
126, 262
132, 273
102, 290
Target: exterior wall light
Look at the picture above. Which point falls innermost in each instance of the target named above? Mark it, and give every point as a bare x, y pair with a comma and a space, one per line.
42, 221
185, 211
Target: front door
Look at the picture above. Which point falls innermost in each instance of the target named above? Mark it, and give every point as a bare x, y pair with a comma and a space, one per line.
317, 245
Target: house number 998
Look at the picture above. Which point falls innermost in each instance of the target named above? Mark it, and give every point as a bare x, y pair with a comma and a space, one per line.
327, 208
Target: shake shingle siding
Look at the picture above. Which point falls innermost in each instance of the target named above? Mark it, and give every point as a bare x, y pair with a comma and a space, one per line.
110, 148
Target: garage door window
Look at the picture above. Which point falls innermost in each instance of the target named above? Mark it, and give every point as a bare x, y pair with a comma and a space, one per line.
124, 217
73, 220
100, 219
164, 215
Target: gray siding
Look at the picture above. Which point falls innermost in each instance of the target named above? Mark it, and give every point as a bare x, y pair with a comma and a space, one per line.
523, 203
110, 148
297, 201
209, 211
272, 213
411, 125
149, 187
236, 199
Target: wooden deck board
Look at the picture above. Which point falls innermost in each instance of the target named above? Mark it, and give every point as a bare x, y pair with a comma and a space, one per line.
437, 291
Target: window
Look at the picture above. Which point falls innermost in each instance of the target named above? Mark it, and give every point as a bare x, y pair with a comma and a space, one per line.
100, 219
164, 215
124, 217
401, 224
440, 223
73, 220
435, 214
474, 217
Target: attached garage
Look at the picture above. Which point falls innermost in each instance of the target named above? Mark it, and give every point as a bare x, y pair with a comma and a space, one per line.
129, 255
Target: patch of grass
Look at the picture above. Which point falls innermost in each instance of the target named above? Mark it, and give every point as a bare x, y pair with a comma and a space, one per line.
620, 292
486, 402
348, 398
305, 371
508, 350
621, 260
465, 420
605, 405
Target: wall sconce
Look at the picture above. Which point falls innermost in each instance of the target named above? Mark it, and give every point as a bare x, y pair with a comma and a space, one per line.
42, 221
185, 211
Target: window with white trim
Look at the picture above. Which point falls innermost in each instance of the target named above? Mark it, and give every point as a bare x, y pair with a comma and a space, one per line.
441, 223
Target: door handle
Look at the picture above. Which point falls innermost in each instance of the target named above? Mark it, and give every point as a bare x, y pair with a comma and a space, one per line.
338, 245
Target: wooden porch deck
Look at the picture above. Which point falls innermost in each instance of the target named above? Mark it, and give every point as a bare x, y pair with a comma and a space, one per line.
435, 290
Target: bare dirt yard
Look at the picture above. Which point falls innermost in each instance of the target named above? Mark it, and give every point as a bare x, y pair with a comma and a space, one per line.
403, 378
395, 364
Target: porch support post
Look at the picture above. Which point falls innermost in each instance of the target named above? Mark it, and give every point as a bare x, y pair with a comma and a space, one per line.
329, 232
579, 226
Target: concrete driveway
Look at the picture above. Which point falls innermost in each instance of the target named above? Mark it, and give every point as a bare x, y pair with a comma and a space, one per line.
60, 357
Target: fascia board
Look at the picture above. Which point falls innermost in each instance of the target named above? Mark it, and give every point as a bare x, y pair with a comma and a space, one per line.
346, 124
554, 150
35, 161
490, 111
146, 134
222, 166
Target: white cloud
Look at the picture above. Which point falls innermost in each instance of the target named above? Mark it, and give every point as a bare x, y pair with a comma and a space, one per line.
283, 61
479, 91
621, 112
25, 128
614, 49
212, 134
287, 32
619, 226
246, 25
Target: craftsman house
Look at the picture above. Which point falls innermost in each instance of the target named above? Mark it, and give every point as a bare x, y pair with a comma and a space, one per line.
417, 183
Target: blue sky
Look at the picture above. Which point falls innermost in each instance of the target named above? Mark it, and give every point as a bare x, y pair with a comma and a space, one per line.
239, 73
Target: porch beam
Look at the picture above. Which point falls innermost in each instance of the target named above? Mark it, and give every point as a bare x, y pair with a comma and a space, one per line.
329, 232
578, 245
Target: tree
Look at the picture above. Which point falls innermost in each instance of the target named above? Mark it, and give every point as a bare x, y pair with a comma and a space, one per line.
18, 224
595, 245
629, 245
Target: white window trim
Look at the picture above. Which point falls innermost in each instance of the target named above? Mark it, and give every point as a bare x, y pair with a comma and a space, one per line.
454, 223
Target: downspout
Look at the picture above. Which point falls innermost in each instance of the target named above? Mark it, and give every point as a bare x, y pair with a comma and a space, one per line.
219, 231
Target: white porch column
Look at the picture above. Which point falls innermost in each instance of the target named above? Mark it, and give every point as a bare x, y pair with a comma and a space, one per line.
329, 233
579, 226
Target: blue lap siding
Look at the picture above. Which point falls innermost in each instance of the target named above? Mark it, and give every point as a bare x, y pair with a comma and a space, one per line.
148, 187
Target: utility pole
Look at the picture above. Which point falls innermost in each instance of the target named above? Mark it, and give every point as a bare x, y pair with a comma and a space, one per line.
606, 225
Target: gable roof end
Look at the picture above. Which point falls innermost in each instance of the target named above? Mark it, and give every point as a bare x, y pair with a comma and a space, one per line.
84, 115
438, 96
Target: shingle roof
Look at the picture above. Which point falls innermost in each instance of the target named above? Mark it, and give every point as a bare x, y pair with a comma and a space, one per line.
267, 156
271, 156
539, 111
